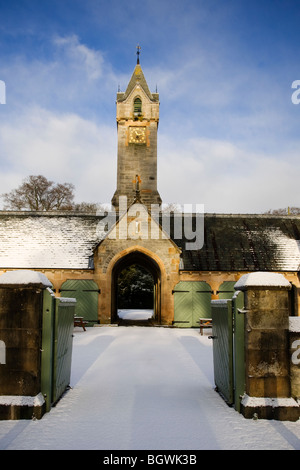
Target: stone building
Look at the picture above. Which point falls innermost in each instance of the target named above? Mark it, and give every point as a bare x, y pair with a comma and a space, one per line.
83, 254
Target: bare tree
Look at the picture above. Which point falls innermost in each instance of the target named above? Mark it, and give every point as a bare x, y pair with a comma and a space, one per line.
86, 207
36, 193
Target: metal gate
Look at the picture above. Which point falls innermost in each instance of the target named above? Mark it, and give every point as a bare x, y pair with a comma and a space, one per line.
192, 300
239, 379
86, 294
228, 348
63, 345
57, 345
222, 324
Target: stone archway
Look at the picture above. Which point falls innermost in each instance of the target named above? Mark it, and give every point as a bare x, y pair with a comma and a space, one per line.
136, 258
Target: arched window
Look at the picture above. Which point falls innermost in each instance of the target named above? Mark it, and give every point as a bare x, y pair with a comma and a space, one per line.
137, 106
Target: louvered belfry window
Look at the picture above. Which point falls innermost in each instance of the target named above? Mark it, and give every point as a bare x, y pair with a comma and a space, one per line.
137, 106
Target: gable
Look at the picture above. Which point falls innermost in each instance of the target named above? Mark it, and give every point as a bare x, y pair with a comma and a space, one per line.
137, 229
137, 78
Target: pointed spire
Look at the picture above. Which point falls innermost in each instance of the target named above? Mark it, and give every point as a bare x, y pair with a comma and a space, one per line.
137, 78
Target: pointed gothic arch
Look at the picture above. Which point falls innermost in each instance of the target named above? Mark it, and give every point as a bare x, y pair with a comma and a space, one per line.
142, 259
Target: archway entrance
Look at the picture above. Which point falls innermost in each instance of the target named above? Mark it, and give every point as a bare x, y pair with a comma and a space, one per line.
136, 283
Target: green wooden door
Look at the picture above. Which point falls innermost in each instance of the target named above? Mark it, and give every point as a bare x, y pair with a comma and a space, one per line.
86, 294
222, 324
228, 348
57, 342
238, 348
47, 347
226, 290
192, 300
63, 345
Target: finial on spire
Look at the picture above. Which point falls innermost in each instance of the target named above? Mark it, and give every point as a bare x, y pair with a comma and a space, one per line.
138, 47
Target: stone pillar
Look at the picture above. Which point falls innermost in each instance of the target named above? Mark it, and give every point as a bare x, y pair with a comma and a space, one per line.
21, 304
294, 337
267, 355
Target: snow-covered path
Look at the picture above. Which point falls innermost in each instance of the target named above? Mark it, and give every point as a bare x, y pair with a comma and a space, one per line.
144, 388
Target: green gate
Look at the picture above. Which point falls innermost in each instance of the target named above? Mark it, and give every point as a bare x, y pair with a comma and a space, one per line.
57, 344
192, 300
228, 348
239, 378
222, 324
64, 326
86, 294
226, 290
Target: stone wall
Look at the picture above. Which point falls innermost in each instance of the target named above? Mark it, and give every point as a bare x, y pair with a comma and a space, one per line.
21, 301
271, 379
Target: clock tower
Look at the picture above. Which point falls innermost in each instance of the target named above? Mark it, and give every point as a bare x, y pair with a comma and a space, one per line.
137, 124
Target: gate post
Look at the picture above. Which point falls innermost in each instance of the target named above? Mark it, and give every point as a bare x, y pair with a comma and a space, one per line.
21, 301
267, 353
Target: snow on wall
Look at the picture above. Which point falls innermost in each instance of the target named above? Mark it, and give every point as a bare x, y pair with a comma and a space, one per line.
24, 277
294, 324
262, 279
266, 401
20, 400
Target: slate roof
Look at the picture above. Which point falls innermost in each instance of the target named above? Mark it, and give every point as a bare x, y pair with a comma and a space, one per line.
60, 240
46, 240
246, 243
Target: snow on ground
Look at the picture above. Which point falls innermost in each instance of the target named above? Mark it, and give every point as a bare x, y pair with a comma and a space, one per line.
148, 388
135, 314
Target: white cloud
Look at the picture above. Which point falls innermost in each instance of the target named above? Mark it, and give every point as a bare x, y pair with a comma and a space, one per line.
64, 148
87, 60
221, 136
71, 78
225, 177
56, 122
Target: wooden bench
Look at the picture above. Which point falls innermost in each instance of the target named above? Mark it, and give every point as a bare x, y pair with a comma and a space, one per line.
78, 321
205, 323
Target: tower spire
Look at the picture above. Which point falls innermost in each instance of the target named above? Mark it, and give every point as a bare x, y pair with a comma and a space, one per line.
138, 51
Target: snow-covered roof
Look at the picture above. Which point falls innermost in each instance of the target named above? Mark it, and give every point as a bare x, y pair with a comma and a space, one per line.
47, 240
246, 242
63, 240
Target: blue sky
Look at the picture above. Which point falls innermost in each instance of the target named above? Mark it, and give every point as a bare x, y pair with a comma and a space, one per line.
229, 133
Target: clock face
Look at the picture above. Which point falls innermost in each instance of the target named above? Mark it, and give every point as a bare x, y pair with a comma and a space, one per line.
137, 135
